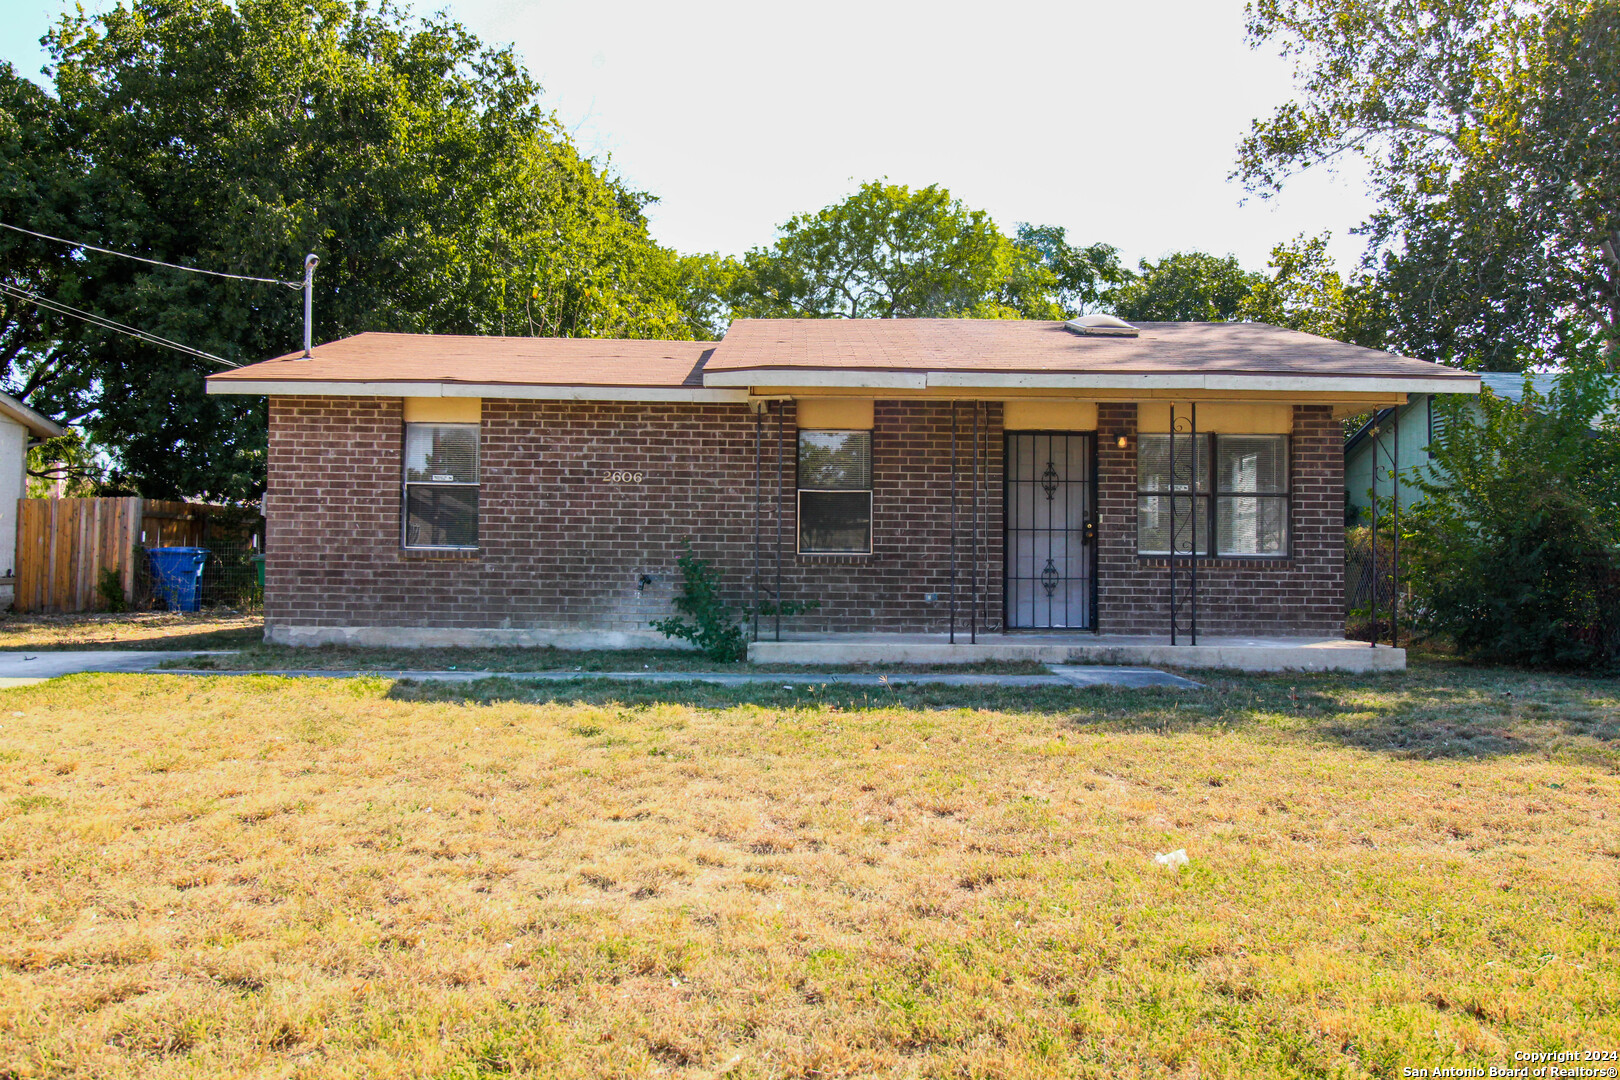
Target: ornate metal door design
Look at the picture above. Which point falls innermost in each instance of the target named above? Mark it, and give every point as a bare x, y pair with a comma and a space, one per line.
1051, 543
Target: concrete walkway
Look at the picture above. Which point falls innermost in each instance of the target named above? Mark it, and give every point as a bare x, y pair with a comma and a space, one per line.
21, 668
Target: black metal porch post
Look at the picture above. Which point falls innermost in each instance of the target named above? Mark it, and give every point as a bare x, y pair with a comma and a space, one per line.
1374, 572
1194, 487
1395, 543
759, 509
781, 407
1173, 522
973, 614
953, 522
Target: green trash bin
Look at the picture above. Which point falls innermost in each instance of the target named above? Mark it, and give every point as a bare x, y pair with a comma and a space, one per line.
258, 571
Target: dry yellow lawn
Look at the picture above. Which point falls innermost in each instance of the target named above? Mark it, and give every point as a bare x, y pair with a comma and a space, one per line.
131, 630
282, 878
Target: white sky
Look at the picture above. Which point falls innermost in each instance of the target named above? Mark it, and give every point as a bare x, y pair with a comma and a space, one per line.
1118, 120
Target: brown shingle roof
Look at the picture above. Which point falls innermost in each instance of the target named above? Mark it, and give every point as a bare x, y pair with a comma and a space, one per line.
518, 361
1009, 345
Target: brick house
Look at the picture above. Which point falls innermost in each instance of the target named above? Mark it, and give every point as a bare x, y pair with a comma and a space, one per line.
975, 479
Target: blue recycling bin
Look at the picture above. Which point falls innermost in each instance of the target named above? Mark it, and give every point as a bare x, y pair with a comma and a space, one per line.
177, 576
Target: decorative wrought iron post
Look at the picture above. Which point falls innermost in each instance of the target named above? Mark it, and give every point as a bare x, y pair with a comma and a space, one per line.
953, 522
1374, 572
1172, 523
973, 613
1386, 463
759, 497
1189, 599
781, 407
1395, 543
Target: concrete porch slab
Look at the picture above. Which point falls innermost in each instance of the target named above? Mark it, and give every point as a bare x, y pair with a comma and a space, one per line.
1235, 653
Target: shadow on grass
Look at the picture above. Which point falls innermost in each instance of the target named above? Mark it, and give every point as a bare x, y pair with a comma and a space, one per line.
261, 656
1438, 710
801, 692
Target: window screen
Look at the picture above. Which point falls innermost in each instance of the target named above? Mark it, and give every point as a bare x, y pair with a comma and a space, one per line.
835, 492
441, 486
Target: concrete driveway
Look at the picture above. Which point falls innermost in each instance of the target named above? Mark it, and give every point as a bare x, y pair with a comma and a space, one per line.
20, 667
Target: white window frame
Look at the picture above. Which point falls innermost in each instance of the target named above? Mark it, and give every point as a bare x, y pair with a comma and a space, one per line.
1211, 495
798, 518
406, 484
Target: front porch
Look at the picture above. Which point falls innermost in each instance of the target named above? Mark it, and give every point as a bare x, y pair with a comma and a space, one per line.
1236, 653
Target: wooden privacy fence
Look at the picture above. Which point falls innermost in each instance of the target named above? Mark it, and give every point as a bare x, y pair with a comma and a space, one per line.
64, 546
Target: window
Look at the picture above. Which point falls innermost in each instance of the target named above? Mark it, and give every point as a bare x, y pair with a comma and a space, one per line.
1244, 477
835, 492
441, 486
1154, 495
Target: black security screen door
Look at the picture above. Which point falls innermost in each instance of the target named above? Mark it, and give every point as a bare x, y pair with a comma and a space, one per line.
1051, 531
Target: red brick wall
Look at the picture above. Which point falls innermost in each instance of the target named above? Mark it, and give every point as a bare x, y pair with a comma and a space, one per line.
1300, 594
561, 549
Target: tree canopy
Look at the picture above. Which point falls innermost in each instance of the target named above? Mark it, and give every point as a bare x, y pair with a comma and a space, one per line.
1185, 286
1491, 130
890, 252
414, 159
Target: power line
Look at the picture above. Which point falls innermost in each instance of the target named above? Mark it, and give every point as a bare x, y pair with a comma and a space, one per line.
154, 262
108, 324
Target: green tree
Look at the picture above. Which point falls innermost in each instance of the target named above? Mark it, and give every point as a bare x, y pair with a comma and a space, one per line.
1491, 132
415, 160
1085, 276
1303, 290
1514, 550
1188, 286
890, 252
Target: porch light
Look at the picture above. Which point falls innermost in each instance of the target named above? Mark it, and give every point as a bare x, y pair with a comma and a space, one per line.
1121, 440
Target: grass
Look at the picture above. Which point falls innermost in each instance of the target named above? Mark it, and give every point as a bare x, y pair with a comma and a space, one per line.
272, 877
264, 657
245, 635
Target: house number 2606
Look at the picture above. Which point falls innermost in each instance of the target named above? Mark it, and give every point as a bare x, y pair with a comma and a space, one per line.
620, 476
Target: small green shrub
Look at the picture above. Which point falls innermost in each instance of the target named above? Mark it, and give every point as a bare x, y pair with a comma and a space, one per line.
111, 591
712, 627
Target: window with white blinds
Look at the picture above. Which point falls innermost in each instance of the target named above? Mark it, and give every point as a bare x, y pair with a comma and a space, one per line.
1229, 495
835, 492
441, 486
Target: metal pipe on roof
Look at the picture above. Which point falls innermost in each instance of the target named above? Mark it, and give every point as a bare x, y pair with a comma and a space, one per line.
311, 261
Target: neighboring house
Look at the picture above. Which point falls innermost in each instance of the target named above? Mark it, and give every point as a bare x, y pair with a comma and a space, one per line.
18, 423
1418, 422
465, 490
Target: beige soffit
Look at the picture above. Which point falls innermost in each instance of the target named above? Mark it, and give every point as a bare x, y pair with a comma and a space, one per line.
443, 410
1050, 416
835, 414
1256, 418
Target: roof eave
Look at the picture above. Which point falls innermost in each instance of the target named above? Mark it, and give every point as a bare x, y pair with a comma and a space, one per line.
39, 426
521, 391
875, 379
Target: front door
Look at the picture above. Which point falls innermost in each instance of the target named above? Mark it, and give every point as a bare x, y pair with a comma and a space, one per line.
1051, 531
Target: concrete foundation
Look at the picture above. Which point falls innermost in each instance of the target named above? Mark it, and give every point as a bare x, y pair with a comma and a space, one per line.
436, 637
1238, 654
